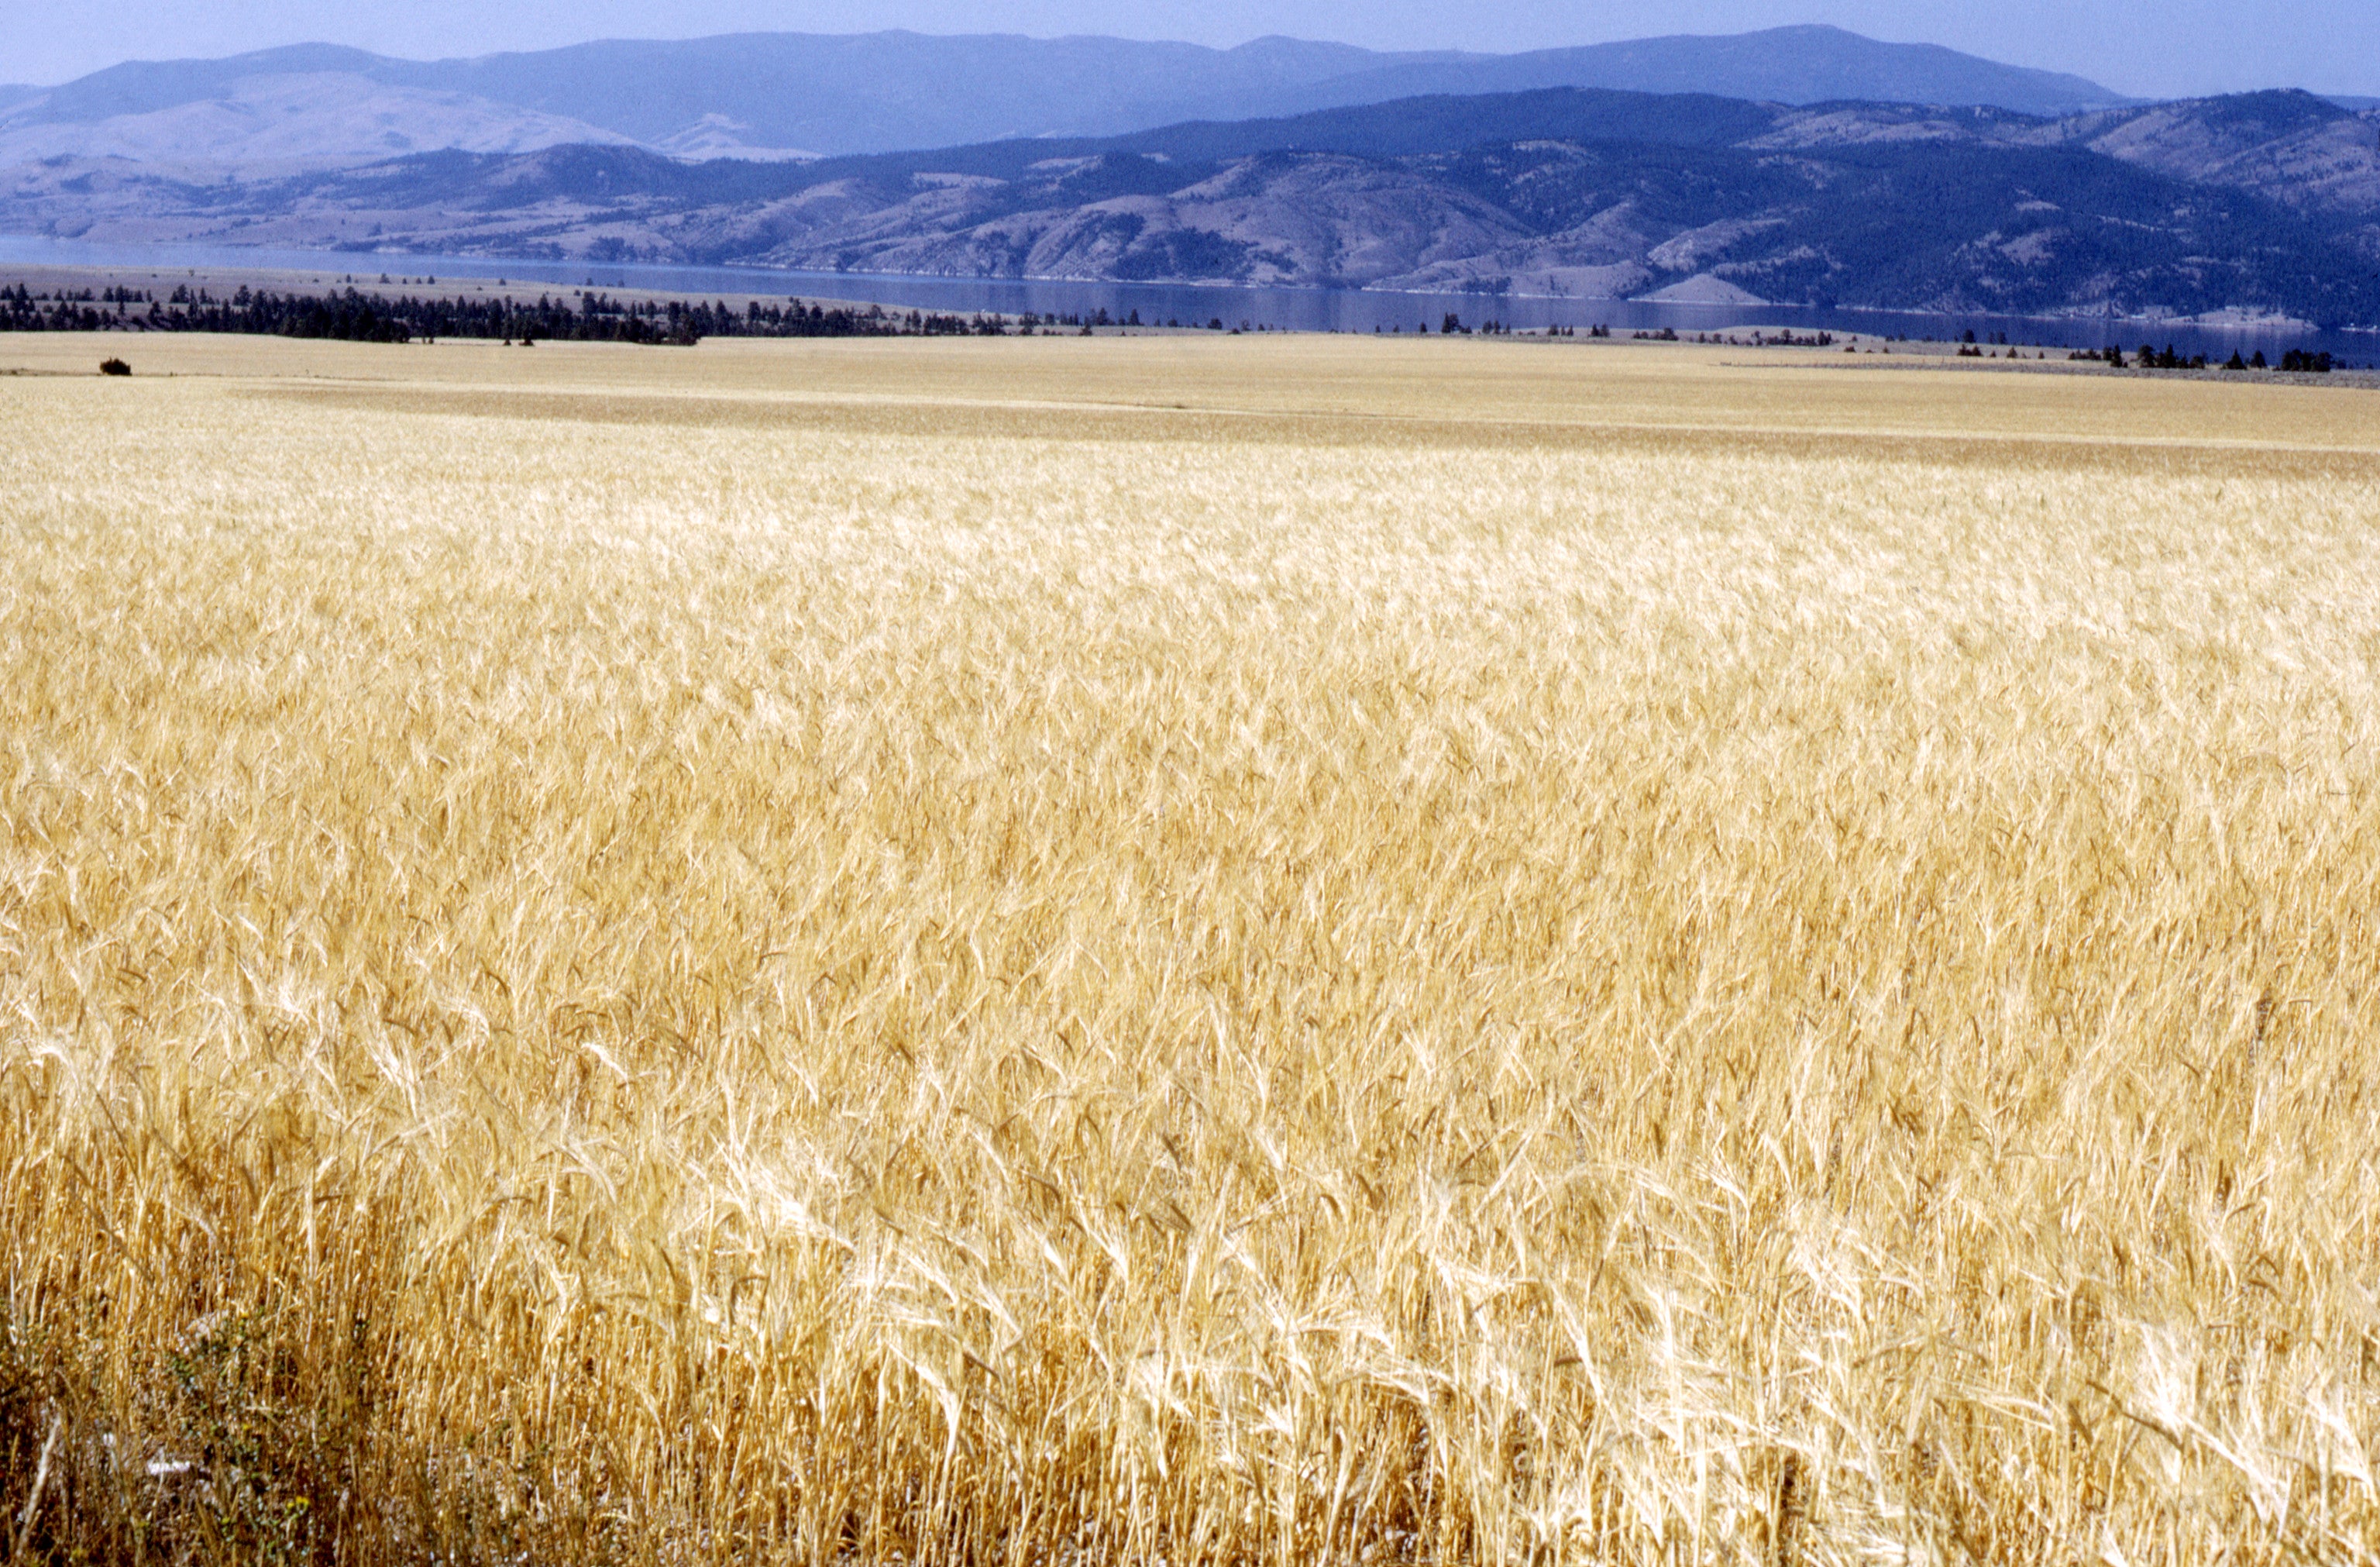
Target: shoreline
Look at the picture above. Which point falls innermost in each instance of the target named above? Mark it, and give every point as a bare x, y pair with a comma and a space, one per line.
1837, 351
1266, 308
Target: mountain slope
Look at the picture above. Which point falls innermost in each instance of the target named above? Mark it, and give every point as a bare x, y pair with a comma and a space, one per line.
870, 91
2299, 147
315, 119
2293, 147
1442, 123
1788, 65
1556, 192
879, 91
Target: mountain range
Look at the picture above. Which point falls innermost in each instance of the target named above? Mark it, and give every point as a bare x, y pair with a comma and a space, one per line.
2259, 203
772, 95
2253, 204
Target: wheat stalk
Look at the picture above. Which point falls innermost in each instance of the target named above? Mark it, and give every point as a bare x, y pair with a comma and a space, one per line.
642, 964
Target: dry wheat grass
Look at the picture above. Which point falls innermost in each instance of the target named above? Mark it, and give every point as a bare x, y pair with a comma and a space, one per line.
753, 987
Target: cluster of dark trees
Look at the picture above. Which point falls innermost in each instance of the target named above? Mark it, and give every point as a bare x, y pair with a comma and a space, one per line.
1085, 321
355, 317
1029, 322
2295, 361
1453, 326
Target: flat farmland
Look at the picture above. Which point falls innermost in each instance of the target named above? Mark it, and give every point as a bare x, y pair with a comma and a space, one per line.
1271, 949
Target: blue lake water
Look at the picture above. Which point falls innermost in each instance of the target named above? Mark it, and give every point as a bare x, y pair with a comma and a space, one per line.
1293, 309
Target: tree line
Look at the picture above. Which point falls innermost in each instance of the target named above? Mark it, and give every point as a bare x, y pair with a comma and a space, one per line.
356, 317
2295, 361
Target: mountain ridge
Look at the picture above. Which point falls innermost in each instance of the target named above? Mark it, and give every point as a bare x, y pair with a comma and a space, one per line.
777, 94
1796, 64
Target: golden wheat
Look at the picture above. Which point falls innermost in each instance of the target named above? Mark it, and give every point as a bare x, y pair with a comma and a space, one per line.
1134, 952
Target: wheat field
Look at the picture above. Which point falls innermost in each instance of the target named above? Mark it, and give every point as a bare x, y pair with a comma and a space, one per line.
1184, 950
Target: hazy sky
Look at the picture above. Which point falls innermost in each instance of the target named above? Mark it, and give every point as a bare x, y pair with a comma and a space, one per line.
2147, 47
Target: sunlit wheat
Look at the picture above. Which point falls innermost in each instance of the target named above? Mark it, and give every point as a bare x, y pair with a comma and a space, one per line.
730, 972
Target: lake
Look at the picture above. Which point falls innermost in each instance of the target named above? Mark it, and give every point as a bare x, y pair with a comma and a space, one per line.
1293, 310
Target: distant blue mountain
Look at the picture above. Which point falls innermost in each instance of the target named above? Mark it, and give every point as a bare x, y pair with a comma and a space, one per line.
882, 91
142, 87
1786, 65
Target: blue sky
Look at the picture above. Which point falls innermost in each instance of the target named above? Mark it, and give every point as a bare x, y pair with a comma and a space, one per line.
2147, 47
